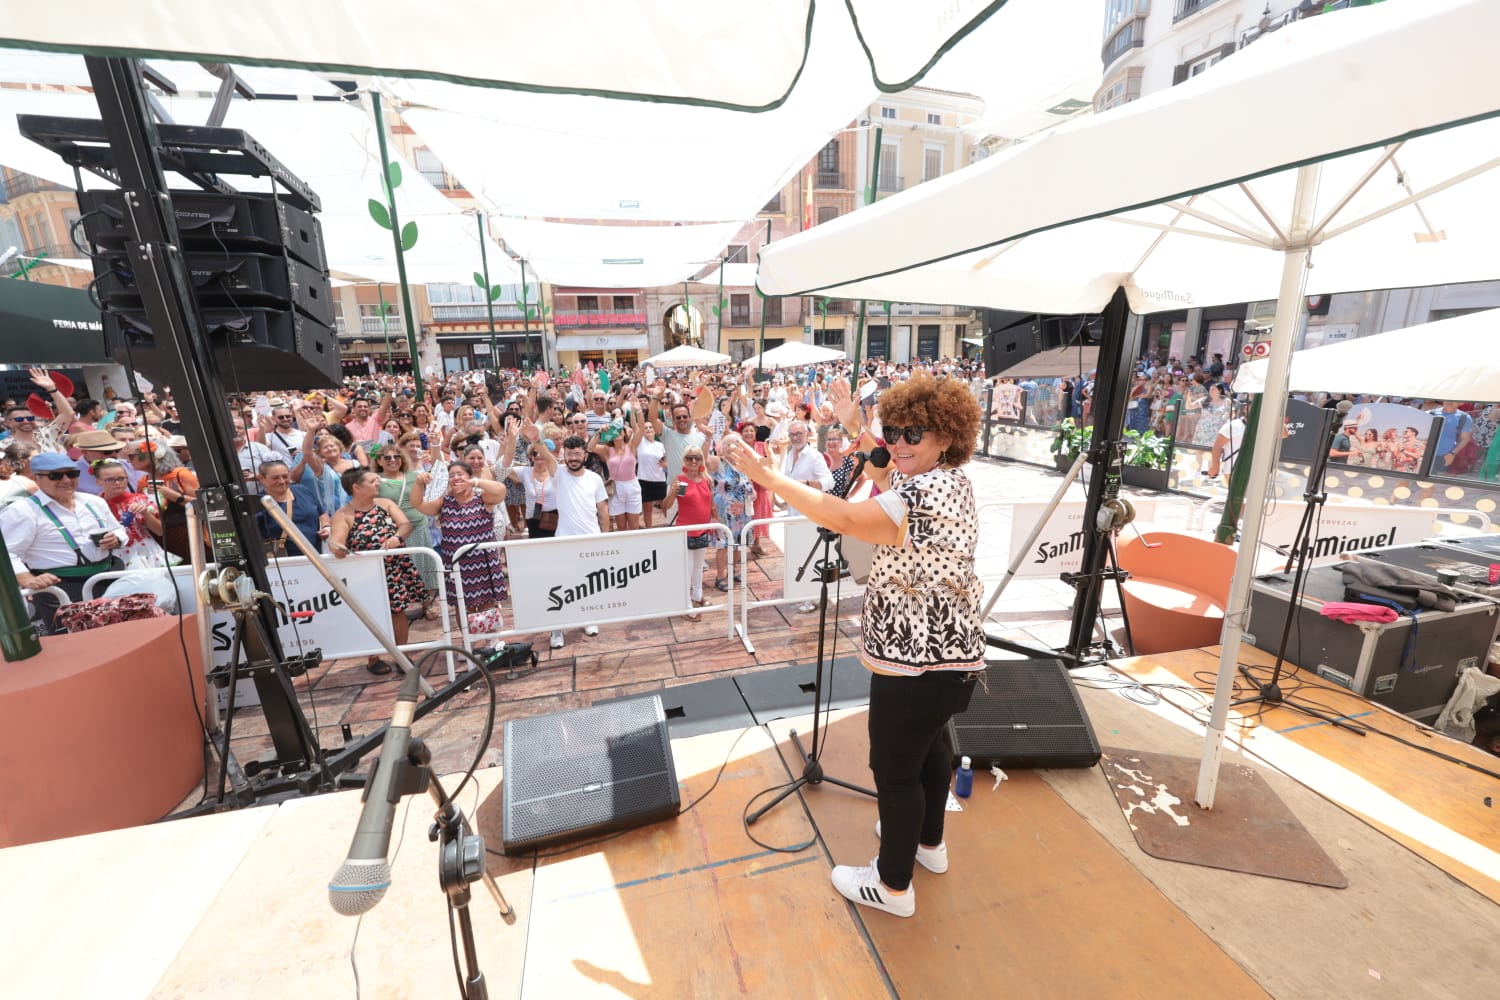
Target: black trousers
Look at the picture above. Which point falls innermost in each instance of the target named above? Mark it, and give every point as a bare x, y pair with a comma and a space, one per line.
912, 761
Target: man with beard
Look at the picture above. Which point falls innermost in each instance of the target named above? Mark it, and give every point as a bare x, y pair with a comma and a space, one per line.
582, 503
59, 537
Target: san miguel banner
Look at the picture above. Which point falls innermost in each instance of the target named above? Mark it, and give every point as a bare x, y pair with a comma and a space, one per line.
296, 586
588, 578
1343, 528
1059, 548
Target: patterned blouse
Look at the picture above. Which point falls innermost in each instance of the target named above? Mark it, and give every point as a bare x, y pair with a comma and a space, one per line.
923, 599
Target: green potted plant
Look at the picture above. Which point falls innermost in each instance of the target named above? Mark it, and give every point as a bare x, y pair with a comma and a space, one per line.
1147, 457
1068, 442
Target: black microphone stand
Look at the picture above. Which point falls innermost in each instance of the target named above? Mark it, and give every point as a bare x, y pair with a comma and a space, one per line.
830, 567
460, 858
1300, 553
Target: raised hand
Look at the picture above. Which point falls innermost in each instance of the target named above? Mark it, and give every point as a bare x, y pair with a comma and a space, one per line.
42, 379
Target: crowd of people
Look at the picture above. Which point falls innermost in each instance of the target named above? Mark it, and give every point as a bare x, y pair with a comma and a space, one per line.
476, 457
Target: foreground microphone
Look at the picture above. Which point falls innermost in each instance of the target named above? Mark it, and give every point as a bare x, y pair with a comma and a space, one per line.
880, 456
364, 876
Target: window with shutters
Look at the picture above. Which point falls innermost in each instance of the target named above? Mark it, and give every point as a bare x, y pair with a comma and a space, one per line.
739, 309
932, 163
827, 213
736, 253
772, 309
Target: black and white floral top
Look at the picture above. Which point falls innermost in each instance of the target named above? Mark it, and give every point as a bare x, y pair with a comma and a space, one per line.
923, 598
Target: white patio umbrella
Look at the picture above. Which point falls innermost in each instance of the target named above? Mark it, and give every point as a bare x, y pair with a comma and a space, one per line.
793, 355
687, 356
1396, 185
1424, 361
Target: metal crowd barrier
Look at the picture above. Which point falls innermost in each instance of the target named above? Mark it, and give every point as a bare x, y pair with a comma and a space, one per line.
94, 583
791, 561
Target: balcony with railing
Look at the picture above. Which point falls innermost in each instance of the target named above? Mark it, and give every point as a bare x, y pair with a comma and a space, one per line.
18, 184
598, 318
1131, 35
470, 312
39, 256
890, 183
833, 179
1187, 8
373, 324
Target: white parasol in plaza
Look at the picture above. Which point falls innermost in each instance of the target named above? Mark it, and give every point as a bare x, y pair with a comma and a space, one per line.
793, 355
688, 356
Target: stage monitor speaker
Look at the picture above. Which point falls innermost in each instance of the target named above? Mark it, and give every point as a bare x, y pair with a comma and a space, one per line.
589, 771
1025, 713
255, 349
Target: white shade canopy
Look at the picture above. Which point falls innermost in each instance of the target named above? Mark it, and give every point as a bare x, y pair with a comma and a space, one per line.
687, 356
614, 256
793, 355
747, 56
329, 145
1446, 359
1375, 80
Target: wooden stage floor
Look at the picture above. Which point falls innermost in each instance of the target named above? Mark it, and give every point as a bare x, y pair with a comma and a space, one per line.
1047, 895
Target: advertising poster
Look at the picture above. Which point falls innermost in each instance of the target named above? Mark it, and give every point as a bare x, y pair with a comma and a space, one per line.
1059, 548
1345, 528
589, 578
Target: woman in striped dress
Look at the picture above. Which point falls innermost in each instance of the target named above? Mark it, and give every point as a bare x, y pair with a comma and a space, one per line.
465, 513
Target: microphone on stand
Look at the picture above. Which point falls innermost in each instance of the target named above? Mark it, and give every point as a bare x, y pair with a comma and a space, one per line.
365, 875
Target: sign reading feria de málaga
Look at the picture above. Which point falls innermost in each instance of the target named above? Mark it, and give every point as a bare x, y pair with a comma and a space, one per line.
588, 578
1059, 548
1347, 528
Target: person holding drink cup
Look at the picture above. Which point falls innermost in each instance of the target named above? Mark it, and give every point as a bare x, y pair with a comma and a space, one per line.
692, 492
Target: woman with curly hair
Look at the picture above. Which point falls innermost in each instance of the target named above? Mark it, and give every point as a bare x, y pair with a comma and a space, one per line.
921, 637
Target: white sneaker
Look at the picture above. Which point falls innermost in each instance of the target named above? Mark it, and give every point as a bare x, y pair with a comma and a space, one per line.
591, 630
806, 608
557, 639
863, 886
934, 859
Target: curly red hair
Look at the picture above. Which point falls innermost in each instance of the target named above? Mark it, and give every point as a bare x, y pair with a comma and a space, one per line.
943, 406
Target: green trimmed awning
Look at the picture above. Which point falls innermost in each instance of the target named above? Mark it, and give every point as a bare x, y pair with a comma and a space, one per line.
49, 325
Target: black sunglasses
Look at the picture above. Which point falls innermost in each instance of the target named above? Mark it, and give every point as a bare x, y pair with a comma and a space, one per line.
893, 434
23, 420
61, 473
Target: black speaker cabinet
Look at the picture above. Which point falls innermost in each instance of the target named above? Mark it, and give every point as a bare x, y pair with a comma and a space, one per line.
1025, 713
589, 771
215, 223
255, 349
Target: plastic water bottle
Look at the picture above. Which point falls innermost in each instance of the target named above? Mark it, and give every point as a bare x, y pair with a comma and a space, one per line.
963, 782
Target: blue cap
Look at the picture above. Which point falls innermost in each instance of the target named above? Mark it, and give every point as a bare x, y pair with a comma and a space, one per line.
51, 461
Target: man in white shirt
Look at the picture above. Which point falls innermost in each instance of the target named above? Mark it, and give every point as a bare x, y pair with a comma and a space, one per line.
677, 438
806, 465
59, 537
282, 432
582, 504
250, 455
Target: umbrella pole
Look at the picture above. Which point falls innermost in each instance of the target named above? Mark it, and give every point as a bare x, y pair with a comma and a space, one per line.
1262, 465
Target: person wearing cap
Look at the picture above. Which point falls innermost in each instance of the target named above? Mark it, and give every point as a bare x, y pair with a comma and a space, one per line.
60, 536
96, 446
30, 424
1343, 443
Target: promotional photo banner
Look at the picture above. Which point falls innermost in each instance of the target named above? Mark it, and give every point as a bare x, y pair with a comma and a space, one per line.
1059, 548
1342, 528
587, 578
